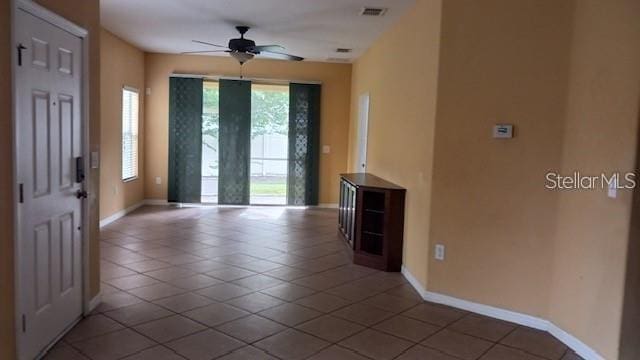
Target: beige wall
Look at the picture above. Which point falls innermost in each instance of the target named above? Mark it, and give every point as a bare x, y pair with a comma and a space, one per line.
86, 14
334, 110
566, 74
122, 65
600, 135
501, 62
402, 87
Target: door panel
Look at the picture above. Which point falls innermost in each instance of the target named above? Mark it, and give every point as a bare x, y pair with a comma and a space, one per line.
40, 52
49, 138
42, 271
67, 245
66, 127
41, 126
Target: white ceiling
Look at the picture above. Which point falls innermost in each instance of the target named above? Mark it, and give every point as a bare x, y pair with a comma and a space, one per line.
309, 28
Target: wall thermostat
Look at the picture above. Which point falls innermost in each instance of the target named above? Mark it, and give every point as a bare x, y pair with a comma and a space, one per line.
503, 131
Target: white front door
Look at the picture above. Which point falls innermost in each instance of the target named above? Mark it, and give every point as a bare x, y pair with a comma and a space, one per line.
49, 140
363, 132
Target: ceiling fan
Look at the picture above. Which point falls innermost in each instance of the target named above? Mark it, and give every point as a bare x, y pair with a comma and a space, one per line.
244, 50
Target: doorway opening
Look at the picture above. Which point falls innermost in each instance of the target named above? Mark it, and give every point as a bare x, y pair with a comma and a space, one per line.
269, 144
363, 132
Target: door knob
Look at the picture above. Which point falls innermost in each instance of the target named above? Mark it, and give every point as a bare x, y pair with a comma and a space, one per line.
81, 194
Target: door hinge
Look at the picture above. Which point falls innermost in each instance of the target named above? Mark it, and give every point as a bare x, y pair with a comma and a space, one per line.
21, 193
20, 48
24, 323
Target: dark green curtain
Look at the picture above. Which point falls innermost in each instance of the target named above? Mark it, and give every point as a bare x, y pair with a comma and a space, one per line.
185, 139
304, 143
235, 142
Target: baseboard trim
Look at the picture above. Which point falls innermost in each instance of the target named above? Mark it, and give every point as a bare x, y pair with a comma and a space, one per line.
413, 281
156, 202
162, 202
574, 343
328, 205
571, 341
490, 311
108, 220
93, 303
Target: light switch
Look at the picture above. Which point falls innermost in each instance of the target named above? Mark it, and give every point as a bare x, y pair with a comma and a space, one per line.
148, 91
326, 149
95, 160
439, 252
158, 180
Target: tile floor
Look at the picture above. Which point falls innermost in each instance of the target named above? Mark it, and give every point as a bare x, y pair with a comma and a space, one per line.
269, 283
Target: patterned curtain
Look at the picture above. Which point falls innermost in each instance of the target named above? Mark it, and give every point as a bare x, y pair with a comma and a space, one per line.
304, 142
185, 139
235, 142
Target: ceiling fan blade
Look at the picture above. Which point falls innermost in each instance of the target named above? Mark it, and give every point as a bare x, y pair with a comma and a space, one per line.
277, 55
202, 52
208, 43
260, 48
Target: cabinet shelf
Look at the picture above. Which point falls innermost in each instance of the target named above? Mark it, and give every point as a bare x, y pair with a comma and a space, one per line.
374, 211
372, 233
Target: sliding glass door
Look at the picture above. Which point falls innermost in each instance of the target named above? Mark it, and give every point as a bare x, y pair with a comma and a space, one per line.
269, 144
210, 144
234, 142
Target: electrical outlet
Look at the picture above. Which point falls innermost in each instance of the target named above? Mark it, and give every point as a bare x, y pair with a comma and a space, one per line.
326, 149
158, 180
439, 252
115, 190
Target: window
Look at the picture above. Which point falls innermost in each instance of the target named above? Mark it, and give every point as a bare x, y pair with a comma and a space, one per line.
129, 134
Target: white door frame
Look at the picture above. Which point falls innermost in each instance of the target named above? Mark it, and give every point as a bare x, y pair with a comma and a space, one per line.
64, 24
362, 133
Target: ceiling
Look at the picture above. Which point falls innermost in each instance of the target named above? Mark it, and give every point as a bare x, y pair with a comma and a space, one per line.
312, 29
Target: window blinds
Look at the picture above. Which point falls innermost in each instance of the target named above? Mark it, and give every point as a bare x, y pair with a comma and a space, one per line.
129, 133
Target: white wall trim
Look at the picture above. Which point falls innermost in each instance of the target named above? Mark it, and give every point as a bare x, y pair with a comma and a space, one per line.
574, 343
490, 311
93, 303
163, 202
571, 341
156, 202
413, 281
328, 205
108, 220
50, 17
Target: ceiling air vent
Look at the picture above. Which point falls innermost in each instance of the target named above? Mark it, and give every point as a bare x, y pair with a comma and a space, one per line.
372, 11
343, 50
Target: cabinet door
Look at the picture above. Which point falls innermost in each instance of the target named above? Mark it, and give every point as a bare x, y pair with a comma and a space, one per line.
352, 213
341, 207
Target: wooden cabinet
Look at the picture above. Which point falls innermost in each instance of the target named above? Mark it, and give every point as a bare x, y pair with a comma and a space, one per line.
371, 219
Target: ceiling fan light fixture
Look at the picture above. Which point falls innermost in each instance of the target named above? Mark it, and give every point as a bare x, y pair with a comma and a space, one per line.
243, 49
242, 57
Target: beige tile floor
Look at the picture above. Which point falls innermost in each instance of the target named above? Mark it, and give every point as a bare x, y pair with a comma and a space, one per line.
269, 283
